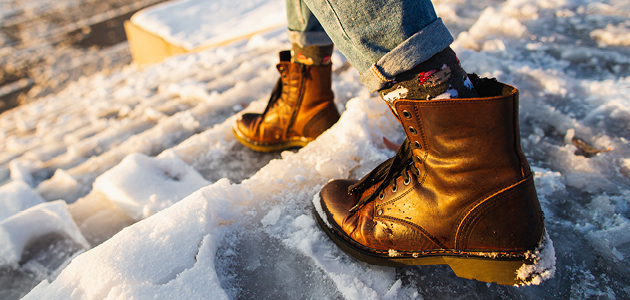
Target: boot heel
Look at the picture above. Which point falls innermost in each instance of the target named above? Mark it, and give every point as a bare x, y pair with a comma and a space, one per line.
537, 266
487, 270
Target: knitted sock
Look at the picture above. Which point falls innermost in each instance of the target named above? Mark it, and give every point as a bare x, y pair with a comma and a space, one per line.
312, 55
440, 77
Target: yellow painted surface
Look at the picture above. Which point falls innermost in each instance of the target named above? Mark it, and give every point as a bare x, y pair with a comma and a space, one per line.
146, 47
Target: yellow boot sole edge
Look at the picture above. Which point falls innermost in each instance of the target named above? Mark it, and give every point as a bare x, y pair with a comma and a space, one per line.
484, 268
269, 147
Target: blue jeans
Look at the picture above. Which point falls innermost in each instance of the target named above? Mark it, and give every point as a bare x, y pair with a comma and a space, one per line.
304, 29
381, 38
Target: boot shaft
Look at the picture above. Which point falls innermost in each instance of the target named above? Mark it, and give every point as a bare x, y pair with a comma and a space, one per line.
305, 85
466, 143
300, 108
307, 94
475, 187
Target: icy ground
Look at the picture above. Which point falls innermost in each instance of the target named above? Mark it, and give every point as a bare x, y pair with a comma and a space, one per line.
212, 220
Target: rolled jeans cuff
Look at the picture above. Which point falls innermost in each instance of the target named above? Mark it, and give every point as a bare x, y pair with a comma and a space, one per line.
416, 49
309, 38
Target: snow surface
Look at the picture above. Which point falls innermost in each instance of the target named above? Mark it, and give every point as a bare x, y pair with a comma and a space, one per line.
16, 196
136, 144
210, 22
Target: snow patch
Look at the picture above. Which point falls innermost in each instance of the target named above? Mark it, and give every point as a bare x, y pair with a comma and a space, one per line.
17, 231
165, 181
544, 267
272, 217
16, 196
237, 19
393, 253
613, 35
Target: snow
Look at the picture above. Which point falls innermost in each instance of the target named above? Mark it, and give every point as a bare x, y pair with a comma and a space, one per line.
164, 181
544, 266
16, 196
170, 205
25, 227
210, 22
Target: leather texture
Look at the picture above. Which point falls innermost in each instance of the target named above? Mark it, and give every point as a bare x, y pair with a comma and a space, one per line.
301, 110
475, 189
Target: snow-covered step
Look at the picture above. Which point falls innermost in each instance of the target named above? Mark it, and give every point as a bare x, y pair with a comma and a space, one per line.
184, 26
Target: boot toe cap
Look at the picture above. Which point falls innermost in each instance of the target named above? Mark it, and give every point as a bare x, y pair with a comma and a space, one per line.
335, 200
246, 124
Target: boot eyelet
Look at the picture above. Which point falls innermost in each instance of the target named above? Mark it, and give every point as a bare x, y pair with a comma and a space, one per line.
406, 114
394, 188
281, 68
413, 130
379, 212
418, 145
407, 181
381, 196
419, 159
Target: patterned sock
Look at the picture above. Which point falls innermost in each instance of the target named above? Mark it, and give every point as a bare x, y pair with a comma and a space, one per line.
312, 55
440, 77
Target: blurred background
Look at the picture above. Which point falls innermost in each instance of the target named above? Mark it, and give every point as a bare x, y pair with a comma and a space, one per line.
46, 44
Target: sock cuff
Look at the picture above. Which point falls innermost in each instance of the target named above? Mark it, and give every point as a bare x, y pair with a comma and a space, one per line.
312, 55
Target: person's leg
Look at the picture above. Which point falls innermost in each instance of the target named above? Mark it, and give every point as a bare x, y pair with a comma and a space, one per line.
301, 105
385, 38
459, 191
310, 43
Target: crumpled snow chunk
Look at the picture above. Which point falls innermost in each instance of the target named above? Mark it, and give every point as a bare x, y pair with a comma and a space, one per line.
16, 196
17, 231
61, 185
272, 217
141, 185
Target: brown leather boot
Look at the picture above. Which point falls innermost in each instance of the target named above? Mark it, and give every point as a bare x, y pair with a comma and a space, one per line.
300, 108
458, 192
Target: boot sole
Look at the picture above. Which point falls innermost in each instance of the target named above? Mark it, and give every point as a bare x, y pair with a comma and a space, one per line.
269, 147
515, 268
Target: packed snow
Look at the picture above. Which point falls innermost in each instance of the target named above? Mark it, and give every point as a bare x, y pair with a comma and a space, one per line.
161, 201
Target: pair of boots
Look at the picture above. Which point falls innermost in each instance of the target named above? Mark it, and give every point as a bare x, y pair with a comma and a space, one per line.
458, 192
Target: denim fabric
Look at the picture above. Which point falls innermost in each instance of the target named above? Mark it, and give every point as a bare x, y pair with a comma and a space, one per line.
382, 38
304, 29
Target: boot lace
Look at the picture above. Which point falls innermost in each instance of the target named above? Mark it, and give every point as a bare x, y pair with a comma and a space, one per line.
276, 93
386, 174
